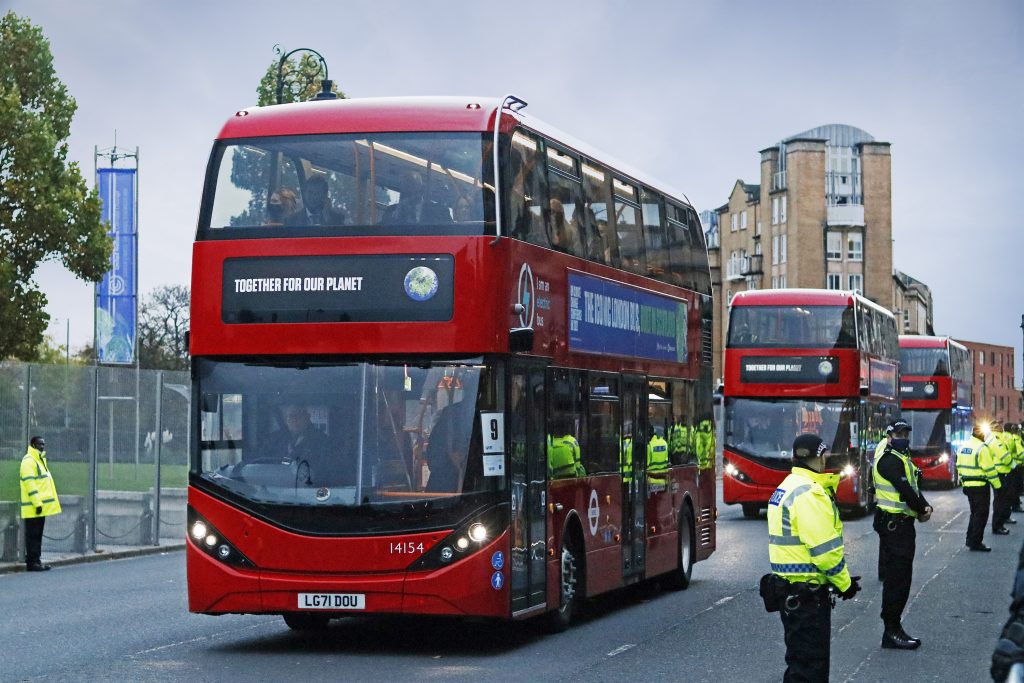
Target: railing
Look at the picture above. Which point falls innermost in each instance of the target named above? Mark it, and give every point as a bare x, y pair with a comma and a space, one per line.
752, 265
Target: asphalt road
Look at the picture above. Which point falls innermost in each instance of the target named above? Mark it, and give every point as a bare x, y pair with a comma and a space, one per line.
127, 620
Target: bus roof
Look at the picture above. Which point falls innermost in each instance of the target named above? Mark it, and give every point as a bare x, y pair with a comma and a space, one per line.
921, 341
801, 296
410, 114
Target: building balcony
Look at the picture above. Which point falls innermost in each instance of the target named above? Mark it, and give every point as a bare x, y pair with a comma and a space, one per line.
752, 265
847, 214
734, 269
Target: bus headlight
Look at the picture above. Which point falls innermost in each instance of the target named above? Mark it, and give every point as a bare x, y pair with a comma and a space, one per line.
478, 533
848, 472
944, 458
198, 531
730, 469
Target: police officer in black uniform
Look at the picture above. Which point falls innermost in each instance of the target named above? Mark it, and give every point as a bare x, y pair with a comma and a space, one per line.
899, 502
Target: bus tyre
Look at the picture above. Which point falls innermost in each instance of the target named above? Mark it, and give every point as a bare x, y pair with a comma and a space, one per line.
751, 510
306, 622
569, 594
679, 579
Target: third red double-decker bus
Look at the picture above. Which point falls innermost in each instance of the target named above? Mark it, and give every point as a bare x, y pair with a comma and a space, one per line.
805, 360
446, 360
936, 374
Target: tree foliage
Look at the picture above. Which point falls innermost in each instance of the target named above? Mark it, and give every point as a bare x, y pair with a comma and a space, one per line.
163, 322
301, 74
46, 210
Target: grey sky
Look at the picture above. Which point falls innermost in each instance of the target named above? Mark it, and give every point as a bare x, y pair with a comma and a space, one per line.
687, 91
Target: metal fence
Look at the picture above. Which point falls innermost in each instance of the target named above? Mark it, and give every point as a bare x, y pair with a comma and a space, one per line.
117, 442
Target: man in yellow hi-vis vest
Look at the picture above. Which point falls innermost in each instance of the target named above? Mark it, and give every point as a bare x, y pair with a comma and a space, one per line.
38, 501
977, 471
805, 547
900, 503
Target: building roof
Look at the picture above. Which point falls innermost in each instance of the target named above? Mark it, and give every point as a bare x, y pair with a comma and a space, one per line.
836, 134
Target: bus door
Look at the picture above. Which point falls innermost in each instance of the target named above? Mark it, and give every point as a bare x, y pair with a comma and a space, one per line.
528, 473
633, 465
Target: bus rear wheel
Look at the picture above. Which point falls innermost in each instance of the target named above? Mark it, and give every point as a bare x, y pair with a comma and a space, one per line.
569, 595
306, 622
680, 578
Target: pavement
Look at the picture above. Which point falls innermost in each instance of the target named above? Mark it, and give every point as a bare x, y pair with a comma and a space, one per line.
103, 552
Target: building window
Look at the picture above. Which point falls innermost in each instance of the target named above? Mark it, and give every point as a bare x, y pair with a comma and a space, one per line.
775, 281
782, 209
757, 228
775, 249
733, 220
775, 210
834, 281
743, 221
782, 281
782, 249
981, 360
906, 320
834, 246
857, 282
855, 246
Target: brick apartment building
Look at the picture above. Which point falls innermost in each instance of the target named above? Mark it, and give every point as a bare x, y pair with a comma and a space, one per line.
994, 394
820, 217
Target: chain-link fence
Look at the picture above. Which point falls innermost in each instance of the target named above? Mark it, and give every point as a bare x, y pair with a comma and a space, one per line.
117, 442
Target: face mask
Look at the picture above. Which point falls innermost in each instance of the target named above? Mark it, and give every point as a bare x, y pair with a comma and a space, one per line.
901, 444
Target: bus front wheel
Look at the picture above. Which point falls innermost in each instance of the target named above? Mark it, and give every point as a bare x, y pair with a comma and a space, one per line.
306, 622
751, 510
569, 594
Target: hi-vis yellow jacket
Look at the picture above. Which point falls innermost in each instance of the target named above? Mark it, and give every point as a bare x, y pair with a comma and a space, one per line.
37, 487
1000, 455
975, 464
805, 535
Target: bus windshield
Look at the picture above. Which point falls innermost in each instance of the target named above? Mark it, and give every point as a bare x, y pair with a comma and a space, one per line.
923, 362
930, 429
398, 183
366, 435
765, 428
792, 326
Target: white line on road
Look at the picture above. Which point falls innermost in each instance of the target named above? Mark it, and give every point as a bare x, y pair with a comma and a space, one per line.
201, 638
723, 600
954, 518
622, 648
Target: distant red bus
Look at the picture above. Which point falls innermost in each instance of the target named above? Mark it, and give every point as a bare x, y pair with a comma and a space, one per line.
805, 360
936, 374
418, 390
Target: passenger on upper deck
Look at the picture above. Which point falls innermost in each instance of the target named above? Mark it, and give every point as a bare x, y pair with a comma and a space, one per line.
564, 235
319, 209
414, 207
282, 207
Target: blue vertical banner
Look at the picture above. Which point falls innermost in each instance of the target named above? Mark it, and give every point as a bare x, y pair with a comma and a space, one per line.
116, 294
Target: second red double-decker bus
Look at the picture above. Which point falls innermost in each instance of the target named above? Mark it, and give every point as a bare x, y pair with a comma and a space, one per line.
805, 360
936, 374
446, 360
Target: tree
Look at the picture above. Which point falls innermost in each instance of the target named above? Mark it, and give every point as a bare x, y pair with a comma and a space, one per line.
163, 322
46, 211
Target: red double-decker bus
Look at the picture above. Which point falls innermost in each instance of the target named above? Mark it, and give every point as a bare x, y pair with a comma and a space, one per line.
805, 360
419, 390
936, 374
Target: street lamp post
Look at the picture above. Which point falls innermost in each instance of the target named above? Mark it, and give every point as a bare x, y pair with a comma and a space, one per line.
326, 86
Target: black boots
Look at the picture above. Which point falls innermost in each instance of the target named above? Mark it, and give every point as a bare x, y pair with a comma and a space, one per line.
37, 567
895, 638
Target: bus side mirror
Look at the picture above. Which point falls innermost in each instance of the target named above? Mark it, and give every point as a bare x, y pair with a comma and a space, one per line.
520, 339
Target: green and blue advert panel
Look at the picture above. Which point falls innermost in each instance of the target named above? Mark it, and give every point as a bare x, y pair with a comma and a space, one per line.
612, 319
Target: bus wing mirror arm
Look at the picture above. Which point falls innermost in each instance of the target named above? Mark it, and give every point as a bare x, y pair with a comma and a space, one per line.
520, 339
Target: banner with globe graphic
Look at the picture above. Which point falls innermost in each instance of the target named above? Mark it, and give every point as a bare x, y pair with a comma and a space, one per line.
338, 288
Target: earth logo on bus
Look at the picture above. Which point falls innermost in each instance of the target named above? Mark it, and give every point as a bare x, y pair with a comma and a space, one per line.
526, 296
421, 283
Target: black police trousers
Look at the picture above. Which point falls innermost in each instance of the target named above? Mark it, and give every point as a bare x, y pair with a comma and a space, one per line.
807, 622
896, 545
34, 539
1001, 502
978, 497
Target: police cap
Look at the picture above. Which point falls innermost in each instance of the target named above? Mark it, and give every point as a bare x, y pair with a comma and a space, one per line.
898, 426
808, 446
